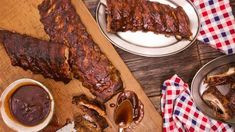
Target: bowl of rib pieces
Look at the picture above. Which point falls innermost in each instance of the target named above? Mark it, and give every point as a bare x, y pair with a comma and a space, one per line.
213, 89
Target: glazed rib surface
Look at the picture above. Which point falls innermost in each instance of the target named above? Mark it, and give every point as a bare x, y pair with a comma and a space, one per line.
47, 58
134, 15
88, 63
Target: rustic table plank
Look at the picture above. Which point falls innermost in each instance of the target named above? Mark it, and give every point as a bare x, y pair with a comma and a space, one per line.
151, 72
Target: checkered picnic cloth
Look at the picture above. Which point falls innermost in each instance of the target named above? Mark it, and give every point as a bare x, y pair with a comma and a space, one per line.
217, 24
180, 113
178, 109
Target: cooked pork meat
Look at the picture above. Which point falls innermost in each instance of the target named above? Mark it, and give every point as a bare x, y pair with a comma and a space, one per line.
231, 97
218, 102
47, 58
133, 15
88, 118
87, 61
90, 121
224, 105
221, 79
89, 103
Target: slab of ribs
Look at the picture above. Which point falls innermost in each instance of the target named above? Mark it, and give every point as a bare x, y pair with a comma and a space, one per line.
88, 63
144, 15
71, 52
47, 58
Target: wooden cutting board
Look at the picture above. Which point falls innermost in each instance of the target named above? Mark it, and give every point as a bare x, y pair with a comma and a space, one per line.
22, 16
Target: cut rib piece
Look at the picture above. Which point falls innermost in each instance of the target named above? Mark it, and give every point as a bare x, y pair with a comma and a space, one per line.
83, 100
47, 58
133, 15
231, 97
221, 79
233, 85
88, 63
89, 121
88, 114
218, 102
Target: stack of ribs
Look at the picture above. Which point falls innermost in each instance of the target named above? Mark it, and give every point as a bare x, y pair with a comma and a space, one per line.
88, 114
134, 15
71, 52
223, 105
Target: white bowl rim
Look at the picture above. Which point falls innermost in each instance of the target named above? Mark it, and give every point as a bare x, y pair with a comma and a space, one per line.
16, 125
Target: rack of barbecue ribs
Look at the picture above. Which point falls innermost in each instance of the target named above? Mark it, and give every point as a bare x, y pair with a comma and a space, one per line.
88, 63
47, 58
144, 15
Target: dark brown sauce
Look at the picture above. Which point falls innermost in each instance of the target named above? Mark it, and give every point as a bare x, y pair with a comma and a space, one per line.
137, 109
123, 114
30, 104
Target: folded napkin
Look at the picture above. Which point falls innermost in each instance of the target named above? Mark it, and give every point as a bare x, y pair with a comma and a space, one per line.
217, 24
180, 113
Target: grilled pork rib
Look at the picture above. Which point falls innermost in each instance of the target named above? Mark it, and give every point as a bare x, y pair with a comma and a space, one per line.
48, 58
88, 63
231, 98
83, 100
88, 114
133, 15
224, 105
221, 79
218, 102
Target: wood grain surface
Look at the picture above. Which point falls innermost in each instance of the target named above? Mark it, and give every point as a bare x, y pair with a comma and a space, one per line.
22, 16
151, 72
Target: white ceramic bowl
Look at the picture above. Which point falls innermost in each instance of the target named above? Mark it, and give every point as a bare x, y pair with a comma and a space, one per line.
5, 110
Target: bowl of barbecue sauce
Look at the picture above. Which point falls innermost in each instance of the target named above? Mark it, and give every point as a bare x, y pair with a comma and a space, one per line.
27, 105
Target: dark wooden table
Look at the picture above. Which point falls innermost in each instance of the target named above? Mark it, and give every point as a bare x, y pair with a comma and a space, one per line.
151, 72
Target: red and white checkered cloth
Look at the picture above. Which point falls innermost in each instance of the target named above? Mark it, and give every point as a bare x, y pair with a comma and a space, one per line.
178, 109
217, 24
180, 113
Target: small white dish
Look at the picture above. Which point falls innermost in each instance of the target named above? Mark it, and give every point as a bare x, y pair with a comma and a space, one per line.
8, 117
